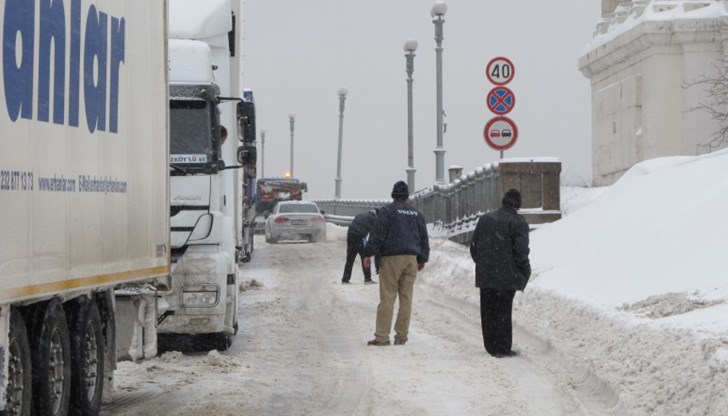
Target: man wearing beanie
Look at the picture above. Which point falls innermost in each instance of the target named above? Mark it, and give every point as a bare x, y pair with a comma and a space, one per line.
400, 237
500, 251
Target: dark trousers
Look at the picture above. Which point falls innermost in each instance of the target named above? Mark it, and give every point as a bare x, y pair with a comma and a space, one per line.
495, 318
355, 247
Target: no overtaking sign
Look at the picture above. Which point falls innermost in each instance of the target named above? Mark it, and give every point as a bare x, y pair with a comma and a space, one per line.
500, 133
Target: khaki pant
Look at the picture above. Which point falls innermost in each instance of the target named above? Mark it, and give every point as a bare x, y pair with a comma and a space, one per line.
396, 277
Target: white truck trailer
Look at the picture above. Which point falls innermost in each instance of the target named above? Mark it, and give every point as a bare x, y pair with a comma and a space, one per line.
83, 191
211, 214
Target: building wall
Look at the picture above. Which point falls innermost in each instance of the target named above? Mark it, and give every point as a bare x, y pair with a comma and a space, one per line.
641, 98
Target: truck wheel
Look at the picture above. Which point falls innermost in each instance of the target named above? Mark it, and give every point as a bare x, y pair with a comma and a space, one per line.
87, 357
51, 360
18, 392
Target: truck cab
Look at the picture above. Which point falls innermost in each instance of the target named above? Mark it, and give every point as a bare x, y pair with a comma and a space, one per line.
208, 175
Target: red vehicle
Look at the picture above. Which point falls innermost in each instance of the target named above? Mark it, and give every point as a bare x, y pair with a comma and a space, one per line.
272, 190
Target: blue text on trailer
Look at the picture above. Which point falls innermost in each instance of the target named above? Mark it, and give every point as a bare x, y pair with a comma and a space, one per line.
18, 40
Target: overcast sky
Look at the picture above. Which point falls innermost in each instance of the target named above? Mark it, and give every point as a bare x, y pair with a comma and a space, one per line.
298, 54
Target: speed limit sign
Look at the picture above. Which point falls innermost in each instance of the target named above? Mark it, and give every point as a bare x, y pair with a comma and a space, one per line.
500, 70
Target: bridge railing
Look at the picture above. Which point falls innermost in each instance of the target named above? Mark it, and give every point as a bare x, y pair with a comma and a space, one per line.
454, 208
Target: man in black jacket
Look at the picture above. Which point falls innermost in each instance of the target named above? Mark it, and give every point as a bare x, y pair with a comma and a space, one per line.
500, 251
400, 238
355, 236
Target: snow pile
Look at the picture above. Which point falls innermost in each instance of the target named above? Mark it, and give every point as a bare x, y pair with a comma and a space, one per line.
632, 286
224, 362
170, 356
669, 304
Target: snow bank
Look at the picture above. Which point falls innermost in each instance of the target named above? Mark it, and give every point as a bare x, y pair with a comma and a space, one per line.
632, 286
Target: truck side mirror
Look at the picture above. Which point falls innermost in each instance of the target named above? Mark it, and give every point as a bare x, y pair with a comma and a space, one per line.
247, 154
246, 121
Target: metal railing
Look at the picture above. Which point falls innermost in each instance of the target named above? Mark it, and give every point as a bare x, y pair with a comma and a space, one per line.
456, 207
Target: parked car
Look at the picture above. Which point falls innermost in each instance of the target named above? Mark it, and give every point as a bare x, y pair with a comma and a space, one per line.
295, 220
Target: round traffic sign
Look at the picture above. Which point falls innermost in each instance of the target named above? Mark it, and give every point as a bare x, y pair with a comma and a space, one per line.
501, 100
500, 70
500, 133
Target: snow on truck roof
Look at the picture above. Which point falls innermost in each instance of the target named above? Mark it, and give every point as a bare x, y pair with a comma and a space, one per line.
195, 19
190, 61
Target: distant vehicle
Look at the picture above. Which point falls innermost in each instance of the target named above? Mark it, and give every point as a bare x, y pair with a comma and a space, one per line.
272, 190
295, 220
507, 133
495, 133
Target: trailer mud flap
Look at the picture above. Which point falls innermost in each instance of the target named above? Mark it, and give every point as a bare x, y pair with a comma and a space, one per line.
136, 326
3, 380
4, 341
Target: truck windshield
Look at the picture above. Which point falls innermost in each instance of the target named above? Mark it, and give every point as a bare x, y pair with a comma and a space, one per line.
191, 141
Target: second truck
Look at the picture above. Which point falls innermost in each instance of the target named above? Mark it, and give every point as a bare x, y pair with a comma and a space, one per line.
211, 212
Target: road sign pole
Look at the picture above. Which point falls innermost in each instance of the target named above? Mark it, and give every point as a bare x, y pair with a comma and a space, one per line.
500, 133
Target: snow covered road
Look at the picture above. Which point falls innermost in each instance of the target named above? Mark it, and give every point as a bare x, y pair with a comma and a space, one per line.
301, 350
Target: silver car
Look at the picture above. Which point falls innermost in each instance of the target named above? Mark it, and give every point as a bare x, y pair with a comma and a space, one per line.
295, 220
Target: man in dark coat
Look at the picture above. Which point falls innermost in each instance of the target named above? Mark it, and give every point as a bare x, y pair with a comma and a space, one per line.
400, 238
355, 236
500, 251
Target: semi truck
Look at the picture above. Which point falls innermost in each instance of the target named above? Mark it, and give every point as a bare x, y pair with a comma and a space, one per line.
84, 200
211, 209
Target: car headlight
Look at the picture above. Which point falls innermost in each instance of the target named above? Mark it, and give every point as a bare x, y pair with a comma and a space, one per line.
200, 297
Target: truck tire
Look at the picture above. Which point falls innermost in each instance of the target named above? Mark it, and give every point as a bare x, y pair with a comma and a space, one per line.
51, 353
87, 357
19, 387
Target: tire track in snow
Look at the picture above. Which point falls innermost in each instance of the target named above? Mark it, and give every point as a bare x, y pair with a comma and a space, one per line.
347, 381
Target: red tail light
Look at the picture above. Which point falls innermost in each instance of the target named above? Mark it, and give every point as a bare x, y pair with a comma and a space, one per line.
317, 219
280, 220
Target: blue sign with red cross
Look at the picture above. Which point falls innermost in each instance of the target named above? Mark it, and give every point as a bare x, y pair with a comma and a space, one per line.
501, 100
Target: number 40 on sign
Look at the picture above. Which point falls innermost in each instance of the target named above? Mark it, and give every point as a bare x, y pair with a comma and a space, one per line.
500, 71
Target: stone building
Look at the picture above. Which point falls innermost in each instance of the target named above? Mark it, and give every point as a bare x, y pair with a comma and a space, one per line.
642, 62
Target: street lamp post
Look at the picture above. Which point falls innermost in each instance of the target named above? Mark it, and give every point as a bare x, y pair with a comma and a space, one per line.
342, 101
262, 155
409, 48
438, 16
292, 121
